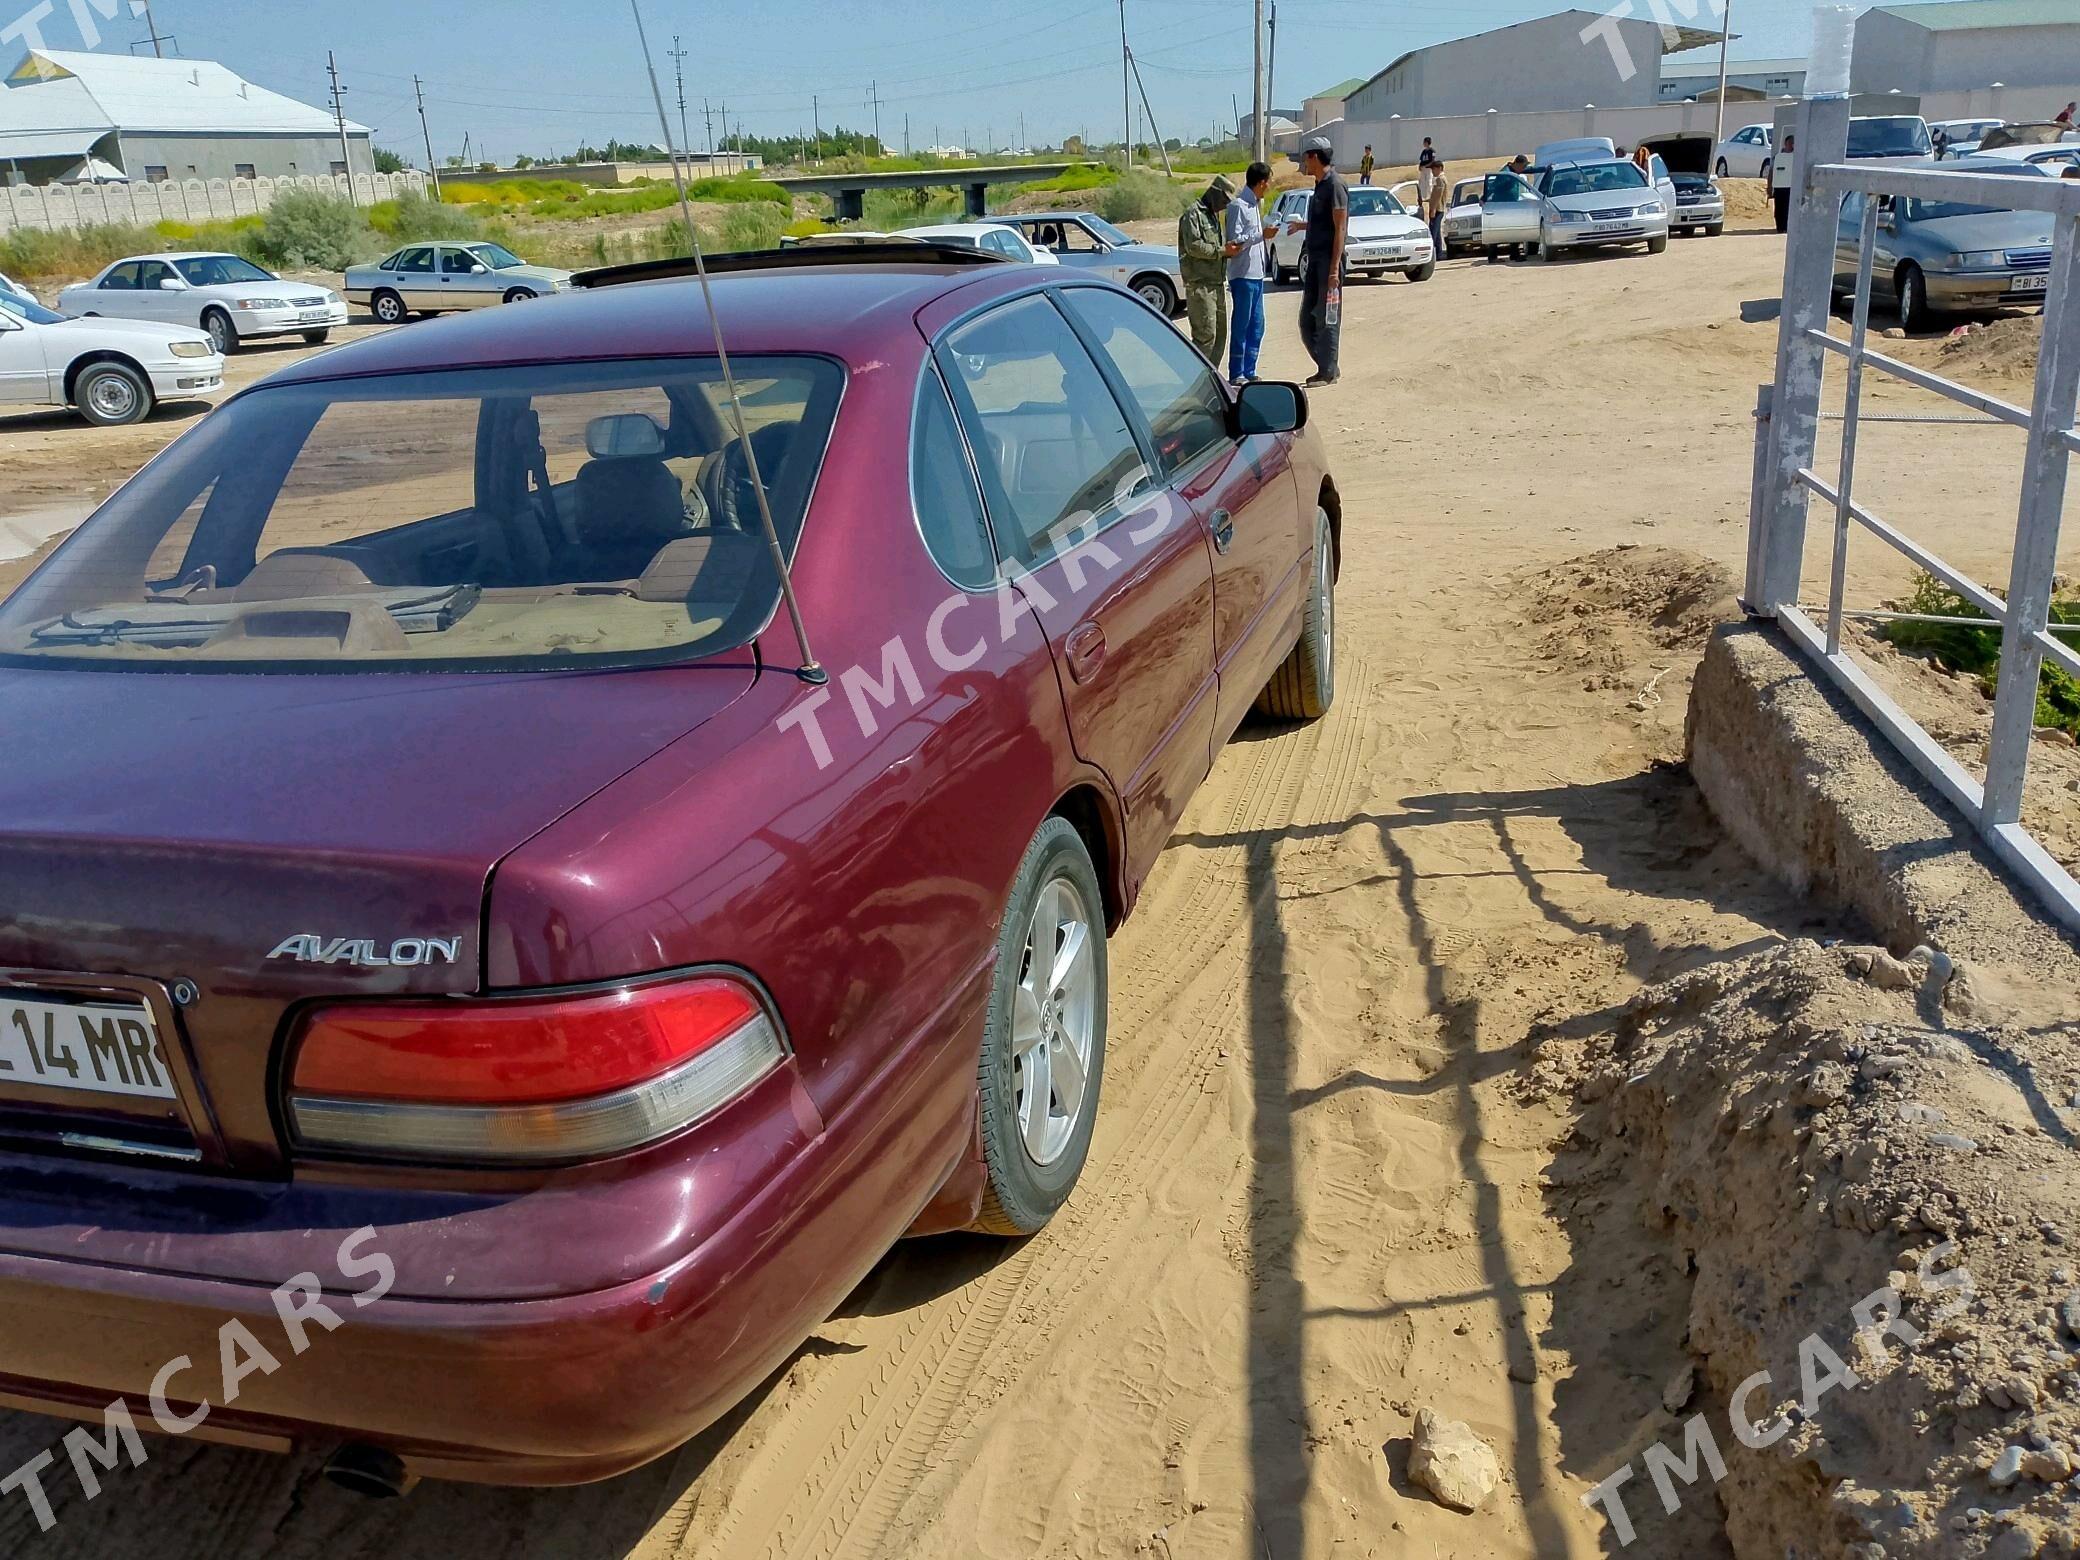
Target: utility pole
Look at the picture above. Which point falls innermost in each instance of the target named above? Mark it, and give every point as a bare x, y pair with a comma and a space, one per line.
874, 97
906, 135
432, 167
1126, 95
725, 136
1155, 130
339, 117
1271, 72
157, 51
678, 55
1725, 32
816, 123
1256, 87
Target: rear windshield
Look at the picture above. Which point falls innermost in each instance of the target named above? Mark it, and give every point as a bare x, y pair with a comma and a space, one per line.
1594, 179
1904, 137
527, 516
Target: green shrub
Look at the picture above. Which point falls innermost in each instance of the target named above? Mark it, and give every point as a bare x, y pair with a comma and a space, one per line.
309, 230
754, 225
1139, 195
741, 187
413, 217
30, 254
1977, 651
1085, 176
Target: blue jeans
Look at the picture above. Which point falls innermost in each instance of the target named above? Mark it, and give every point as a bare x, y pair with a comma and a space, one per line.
1245, 326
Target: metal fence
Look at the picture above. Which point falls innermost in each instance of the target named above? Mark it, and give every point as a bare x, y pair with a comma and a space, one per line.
1785, 482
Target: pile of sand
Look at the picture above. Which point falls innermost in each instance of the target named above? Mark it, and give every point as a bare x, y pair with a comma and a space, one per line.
1994, 349
1809, 1126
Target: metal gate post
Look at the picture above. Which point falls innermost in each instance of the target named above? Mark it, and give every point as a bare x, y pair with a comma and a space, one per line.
2036, 533
1758, 500
1809, 257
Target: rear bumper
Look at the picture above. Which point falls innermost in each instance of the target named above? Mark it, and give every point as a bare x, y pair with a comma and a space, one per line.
555, 1389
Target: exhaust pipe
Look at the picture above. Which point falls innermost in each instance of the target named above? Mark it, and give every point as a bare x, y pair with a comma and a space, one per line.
370, 1471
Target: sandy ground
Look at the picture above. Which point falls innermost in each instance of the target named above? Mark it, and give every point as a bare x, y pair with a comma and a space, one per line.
1317, 1199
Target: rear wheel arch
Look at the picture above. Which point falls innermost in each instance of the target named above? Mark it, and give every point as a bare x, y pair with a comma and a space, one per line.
1091, 813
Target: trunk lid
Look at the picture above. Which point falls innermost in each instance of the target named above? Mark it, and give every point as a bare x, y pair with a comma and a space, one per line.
253, 841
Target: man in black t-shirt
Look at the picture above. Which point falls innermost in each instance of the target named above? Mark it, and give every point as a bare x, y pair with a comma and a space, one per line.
1321, 288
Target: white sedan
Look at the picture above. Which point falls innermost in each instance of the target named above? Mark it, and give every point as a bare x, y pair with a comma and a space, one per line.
1381, 235
1744, 155
231, 298
994, 237
112, 371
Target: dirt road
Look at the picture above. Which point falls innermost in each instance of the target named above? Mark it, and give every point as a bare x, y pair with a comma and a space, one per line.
1314, 1203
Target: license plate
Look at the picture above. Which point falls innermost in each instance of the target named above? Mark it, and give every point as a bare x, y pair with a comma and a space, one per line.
313, 316
2028, 283
83, 1047
1610, 227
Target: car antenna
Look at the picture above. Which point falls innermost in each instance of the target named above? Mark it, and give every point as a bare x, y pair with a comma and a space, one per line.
810, 670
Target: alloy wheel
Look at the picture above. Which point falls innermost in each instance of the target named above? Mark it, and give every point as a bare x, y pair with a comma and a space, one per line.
1054, 1020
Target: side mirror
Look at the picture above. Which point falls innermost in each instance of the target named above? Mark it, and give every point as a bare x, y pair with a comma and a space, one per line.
478, 270
1269, 406
173, 284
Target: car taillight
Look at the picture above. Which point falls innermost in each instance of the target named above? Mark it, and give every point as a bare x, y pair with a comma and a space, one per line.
571, 1076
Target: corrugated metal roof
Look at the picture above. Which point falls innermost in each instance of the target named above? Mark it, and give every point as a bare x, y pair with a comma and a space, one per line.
28, 145
61, 89
1949, 15
1341, 90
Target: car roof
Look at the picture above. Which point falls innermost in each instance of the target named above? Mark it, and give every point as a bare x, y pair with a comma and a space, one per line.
1038, 216
845, 311
966, 229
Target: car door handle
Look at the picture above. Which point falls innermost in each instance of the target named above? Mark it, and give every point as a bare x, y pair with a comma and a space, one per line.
1223, 530
1086, 651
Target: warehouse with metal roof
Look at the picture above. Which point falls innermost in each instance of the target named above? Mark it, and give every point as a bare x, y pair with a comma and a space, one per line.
1959, 45
70, 117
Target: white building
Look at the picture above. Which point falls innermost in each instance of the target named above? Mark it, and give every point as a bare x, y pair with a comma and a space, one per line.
1696, 75
66, 116
1563, 61
1963, 45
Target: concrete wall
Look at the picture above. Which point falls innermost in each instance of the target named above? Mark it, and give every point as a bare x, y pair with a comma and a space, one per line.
183, 200
185, 156
607, 175
1893, 53
1540, 64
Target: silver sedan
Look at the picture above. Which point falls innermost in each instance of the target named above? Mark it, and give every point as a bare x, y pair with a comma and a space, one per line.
436, 278
228, 296
1081, 239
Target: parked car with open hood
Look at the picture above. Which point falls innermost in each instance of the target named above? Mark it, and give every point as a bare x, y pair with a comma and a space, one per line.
227, 296
1960, 137
1599, 205
1934, 258
111, 371
457, 880
1091, 244
440, 278
1460, 228
1382, 237
1700, 205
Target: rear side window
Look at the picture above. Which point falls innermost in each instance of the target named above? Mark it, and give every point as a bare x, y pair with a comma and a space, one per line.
1056, 448
1165, 376
535, 516
942, 487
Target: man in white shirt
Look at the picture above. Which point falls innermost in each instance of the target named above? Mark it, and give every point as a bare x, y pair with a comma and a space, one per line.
1246, 272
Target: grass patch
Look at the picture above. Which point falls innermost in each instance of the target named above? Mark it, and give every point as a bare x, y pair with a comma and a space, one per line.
1976, 651
564, 200
1140, 196
34, 255
1087, 176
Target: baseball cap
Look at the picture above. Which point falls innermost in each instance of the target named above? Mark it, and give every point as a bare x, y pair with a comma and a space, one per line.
1320, 145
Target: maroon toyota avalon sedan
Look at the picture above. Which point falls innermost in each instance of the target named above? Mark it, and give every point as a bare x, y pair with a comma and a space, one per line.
433, 877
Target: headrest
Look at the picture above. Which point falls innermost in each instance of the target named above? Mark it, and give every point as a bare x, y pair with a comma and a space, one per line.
713, 566
624, 435
295, 574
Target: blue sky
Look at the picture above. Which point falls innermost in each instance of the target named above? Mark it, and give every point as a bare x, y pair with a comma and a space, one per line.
541, 75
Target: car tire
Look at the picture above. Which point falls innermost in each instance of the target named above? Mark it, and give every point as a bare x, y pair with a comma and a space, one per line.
1782, 204
1304, 686
1765, 172
1040, 1031
1157, 293
1722, 167
1423, 273
388, 307
1912, 290
1714, 229
221, 331
317, 338
1546, 252
521, 295
112, 395
1658, 244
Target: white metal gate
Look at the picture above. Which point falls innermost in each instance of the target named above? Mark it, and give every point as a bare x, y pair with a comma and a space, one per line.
1787, 433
